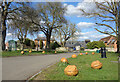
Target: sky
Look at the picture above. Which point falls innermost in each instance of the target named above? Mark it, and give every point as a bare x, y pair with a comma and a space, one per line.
85, 25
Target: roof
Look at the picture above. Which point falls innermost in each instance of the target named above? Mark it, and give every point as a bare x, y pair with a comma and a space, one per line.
75, 43
44, 38
105, 38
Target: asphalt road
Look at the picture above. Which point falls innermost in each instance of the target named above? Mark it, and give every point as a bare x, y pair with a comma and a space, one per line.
21, 68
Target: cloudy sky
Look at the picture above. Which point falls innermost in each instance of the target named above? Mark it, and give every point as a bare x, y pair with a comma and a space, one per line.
85, 24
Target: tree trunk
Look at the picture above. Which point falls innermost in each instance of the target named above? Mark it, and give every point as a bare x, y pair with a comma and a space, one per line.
118, 42
48, 41
3, 35
21, 46
118, 47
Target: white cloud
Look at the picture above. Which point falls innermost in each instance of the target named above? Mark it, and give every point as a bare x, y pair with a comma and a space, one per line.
41, 35
9, 34
92, 35
85, 25
86, 5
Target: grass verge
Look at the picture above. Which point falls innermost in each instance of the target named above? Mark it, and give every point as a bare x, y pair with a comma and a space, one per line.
33, 53
109, 70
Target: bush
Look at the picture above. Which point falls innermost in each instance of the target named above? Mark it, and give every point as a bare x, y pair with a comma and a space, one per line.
95, 44
82, 48
54, 45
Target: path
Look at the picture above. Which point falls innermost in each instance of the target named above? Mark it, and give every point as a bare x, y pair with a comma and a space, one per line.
21, 68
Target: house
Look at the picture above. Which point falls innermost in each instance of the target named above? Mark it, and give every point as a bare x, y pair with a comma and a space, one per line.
76, 44
110, 42
37, 41
11, 45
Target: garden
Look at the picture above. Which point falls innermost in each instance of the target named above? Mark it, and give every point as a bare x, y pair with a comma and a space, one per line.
108, 70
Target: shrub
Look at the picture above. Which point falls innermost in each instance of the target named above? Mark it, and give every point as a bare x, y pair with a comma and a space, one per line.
54, 45
82, 48
95, 44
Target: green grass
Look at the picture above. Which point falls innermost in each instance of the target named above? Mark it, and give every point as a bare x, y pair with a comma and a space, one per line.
18, 53
109, 70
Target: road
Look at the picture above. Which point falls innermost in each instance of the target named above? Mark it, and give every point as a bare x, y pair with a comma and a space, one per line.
23, 67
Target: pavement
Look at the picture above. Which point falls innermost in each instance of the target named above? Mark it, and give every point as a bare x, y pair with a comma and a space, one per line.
23, 67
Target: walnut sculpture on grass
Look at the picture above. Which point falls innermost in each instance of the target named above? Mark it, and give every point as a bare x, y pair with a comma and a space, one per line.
81, 54
30, 51
93, 53
22, 52
64, 60
74, 56
55, 52
86, 53
43, 52
71, 70
96, 64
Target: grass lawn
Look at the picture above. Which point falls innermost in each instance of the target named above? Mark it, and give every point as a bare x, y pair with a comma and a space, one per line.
109, 70
18, 53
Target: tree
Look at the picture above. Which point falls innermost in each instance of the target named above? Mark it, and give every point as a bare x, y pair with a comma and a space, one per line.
49, 16
4, 13
6, 9
119, 26
108, 13
66, 32
19, 25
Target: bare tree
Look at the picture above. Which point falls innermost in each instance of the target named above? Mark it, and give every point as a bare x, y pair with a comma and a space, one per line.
49, 16
108, 13
119, 26
20, 25
6, 9
66, 32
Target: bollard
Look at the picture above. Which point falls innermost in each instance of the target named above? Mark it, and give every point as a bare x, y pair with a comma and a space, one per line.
103, 52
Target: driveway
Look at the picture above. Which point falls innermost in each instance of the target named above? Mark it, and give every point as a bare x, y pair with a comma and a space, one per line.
21, 68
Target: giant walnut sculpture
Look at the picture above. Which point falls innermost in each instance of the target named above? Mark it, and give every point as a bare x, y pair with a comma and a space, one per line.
74, 56
43, 52
30, 51
93, 53
71, 70
22, 52
81, 54
86, 53
64, 60
96, 64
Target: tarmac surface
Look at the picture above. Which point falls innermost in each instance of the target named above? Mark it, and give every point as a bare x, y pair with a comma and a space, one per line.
23, 67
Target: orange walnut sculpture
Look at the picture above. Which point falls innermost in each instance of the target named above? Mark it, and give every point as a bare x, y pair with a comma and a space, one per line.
22, 52
81, 54
64, 60
96, 64
43, 52
74, 56
30, 51
55, 52
93, 53
86, 53
71, 70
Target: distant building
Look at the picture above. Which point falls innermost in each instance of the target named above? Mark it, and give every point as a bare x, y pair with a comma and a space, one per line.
37, 41
110, 42
11, 45
76, 44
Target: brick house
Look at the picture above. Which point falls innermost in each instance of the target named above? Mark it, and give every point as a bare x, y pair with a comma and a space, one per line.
37, 41
110, 42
